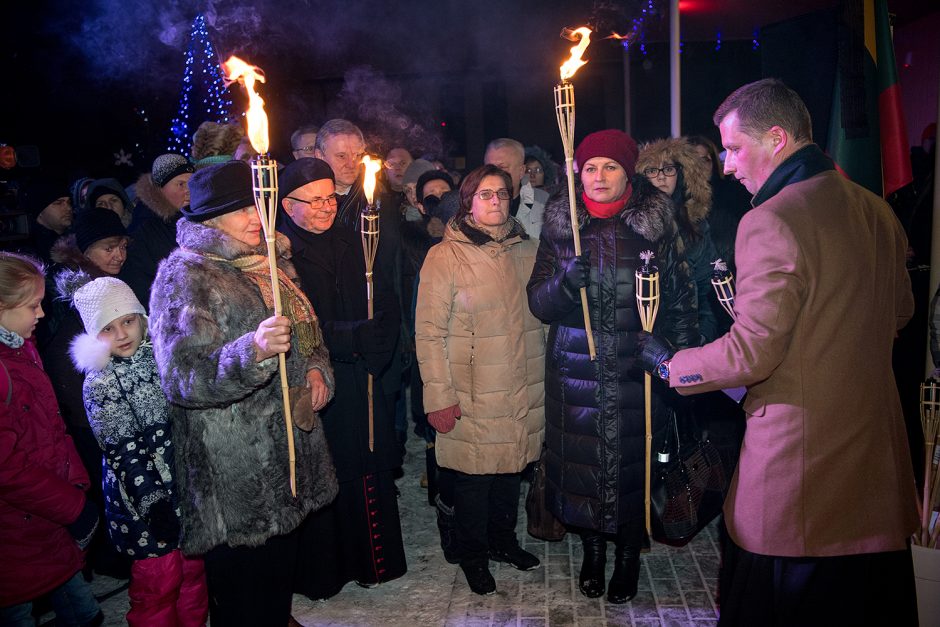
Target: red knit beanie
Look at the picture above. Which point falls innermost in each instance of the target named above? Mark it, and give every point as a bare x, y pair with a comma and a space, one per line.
610, 143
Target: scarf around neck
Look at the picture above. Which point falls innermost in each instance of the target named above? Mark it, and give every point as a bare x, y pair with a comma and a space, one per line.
294, 302
803, 164
11, 338
607, 209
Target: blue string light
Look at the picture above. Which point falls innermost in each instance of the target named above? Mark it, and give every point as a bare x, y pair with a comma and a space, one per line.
215, 105
718, 41
755, 44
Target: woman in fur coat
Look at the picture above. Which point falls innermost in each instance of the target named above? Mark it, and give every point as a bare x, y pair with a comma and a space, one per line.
216, 345
595, 426
675, 168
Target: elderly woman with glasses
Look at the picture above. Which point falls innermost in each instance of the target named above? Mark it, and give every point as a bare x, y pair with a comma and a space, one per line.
674, 167
595, 424
216, 345
481, 354
358, 537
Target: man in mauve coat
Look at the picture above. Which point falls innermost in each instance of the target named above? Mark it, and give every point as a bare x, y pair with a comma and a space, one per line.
822, 504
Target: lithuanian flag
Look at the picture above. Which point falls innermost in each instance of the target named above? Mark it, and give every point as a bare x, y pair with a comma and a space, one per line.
867, 134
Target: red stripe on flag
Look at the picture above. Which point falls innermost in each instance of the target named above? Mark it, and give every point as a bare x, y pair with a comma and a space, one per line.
895, 154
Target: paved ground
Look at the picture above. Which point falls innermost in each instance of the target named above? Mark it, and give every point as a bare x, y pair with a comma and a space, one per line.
677, 586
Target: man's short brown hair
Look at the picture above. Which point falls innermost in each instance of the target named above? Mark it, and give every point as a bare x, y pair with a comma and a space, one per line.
766, 103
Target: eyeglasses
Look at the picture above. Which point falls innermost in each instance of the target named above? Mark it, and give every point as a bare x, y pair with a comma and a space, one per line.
487, 194
305, 149
396, 165
535, 170
667, 170
316, 203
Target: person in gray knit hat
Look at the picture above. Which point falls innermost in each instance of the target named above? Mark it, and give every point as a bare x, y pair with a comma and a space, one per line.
160, 196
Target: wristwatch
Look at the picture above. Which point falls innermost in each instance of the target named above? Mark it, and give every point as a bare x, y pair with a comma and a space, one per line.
663, 370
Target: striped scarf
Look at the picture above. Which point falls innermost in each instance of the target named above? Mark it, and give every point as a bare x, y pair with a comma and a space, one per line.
294, 303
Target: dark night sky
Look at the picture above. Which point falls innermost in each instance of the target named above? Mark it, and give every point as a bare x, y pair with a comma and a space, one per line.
81, 72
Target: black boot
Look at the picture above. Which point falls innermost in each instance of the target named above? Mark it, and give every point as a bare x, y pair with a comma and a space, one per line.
626, 577
591, 579
445, 525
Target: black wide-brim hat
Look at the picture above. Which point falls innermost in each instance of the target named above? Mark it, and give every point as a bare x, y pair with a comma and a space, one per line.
219, 189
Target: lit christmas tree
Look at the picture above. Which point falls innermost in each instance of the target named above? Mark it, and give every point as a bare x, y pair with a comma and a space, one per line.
213, 101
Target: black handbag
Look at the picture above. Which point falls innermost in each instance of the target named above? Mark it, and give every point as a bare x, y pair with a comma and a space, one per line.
540, 522
688, 486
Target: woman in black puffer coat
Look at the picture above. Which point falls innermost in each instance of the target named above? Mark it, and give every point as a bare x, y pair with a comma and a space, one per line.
595, 425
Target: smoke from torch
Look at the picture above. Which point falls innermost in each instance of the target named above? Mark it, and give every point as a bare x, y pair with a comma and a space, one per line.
236, 69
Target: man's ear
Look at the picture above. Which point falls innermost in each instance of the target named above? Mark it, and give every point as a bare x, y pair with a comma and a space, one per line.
780, 139
285, 203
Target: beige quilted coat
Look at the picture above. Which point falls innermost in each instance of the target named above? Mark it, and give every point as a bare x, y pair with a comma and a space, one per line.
479, 347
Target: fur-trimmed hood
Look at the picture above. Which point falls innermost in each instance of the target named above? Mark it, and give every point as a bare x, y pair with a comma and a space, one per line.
649, 212
152, 196
693, 177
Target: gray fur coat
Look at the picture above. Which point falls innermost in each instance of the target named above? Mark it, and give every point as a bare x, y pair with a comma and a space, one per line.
228, 423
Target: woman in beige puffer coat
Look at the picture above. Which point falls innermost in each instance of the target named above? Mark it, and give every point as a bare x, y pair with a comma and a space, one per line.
481, 354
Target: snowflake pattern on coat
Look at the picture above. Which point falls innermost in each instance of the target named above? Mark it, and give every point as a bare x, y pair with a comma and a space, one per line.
129, 415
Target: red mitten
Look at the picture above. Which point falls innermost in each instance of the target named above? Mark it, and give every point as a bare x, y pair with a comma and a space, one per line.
444, 420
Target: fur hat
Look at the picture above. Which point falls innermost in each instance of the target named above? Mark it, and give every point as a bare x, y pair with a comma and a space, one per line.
219, 189
96, 224
302, 171
98, 302
166, 167
609, 143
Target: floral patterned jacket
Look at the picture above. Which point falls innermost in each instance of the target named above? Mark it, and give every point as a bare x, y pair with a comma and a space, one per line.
129, 415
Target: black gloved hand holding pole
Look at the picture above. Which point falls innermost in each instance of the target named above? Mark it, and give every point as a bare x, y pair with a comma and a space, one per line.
652, 350
577, 271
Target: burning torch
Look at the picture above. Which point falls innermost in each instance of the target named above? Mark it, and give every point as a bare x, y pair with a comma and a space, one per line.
564, 111
369, 230
264, 185
647, 305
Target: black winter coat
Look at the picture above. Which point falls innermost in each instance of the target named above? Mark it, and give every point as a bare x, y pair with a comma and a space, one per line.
153, 238
594, 411
331, 269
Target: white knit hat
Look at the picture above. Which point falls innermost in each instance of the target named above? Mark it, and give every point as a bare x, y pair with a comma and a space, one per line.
103, 300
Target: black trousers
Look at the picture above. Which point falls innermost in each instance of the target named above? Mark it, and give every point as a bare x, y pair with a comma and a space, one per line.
867, 589
252, 586
485, 510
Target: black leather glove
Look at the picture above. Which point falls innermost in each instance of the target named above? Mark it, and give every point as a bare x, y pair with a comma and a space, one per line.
372, 336
577, 271
163, 522
652, 350
83, 529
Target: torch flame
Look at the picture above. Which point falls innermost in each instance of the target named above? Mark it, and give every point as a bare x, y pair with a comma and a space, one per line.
569, 67
372, 168
236, 69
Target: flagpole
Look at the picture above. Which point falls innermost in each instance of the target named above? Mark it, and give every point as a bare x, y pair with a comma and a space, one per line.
935, 238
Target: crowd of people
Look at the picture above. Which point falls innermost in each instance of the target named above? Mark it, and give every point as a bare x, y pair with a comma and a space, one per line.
144, 432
